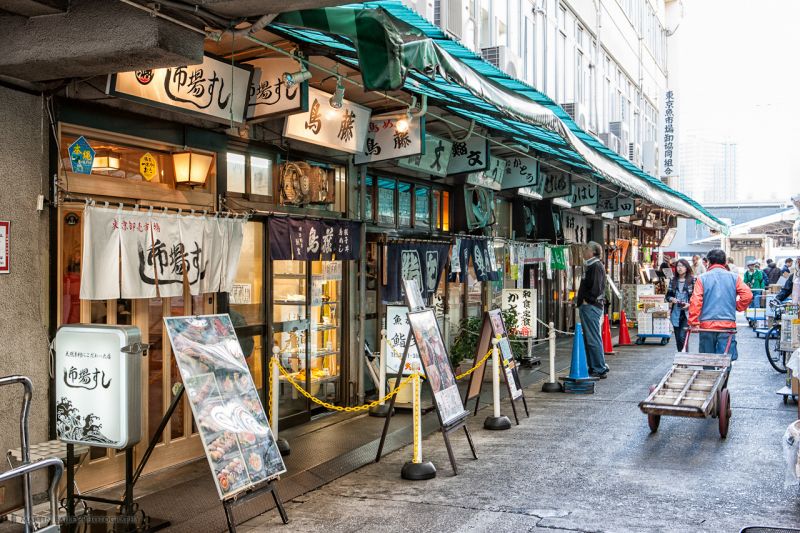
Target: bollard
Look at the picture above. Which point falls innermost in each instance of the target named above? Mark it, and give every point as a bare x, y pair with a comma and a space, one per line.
417, 469
382, 409
274, 388
496, 421
552, 385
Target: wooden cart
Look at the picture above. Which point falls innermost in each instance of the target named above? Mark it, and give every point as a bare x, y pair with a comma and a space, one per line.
696, 386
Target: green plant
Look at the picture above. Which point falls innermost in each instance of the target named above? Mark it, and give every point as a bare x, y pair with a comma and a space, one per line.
465, 344
519, 344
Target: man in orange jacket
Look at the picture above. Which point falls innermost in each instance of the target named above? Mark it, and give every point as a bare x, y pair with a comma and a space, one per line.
718, 295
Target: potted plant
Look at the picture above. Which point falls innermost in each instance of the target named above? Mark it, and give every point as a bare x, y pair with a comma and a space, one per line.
465, 345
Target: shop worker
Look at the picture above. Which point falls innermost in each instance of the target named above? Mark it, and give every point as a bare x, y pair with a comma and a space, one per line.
590, 302
718, 295
754, 278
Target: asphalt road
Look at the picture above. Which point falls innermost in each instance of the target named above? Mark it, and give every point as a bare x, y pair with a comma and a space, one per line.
584, 463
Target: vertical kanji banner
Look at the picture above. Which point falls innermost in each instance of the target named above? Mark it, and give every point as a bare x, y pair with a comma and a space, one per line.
100, 263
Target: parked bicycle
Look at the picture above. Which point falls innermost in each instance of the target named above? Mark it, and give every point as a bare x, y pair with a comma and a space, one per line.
772, 342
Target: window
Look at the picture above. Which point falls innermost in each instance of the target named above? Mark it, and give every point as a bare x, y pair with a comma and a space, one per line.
249, 175
369, 213
260, 176
236, 164
386, 192
404, 204
422, 207
441, 210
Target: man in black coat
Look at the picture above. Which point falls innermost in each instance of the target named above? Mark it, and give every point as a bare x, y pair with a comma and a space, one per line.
590, 302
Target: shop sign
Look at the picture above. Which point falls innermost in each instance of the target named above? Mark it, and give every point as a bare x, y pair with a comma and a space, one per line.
397, 332
622, 250
269, 95
434, 160
669, 122
507, 355
98, 385
469, 156
384, 141
491, 178
241, 294
576, 227
131, 254
606, 205
314, 240
522, 172
81, 156
583, 194
555, 185
148, 166
342, 129
5, 265
455, 261
625, 207
215, 89
668, 237
523, 302
239, 445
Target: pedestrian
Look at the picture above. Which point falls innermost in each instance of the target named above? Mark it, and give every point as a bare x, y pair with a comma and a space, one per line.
787, 267
705, 264
772, 272
590, 302
754, 279
678, 295
697, 265
716, 298
732, 266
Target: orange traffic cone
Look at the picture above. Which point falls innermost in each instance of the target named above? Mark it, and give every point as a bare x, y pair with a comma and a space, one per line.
624, 334
608, 347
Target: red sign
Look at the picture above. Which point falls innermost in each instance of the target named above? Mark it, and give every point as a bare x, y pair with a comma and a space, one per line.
4, 255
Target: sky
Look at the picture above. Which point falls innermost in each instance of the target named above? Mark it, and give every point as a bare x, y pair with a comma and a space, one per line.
738, 80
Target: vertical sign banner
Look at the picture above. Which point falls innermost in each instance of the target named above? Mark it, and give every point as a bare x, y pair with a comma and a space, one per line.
5, 265
492, 178
625, 207
576, 227
386, 141
434, 160
469, 156
269, 95
215, 89
342, 129
583, 194
521, 172
669, 138
523, 302
398, 329
233, 426
555, 185
100, 262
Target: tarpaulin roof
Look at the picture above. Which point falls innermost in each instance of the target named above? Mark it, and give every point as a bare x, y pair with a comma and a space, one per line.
396, 48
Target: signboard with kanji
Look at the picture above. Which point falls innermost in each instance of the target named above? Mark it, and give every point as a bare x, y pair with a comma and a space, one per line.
81, 156
669, 127
270, 96
521, 172
523, 302
397, 332
576, 227
469, 156
625, 207
386, 140
606, 205
583, 194
434, 160
343, 129
148, 166
555, 185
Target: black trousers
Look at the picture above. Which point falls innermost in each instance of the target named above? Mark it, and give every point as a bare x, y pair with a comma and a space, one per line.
680, 332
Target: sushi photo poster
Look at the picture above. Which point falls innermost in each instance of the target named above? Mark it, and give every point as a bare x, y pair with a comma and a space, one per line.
230, 417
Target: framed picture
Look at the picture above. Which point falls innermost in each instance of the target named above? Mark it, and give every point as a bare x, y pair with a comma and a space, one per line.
413, 294
436, 362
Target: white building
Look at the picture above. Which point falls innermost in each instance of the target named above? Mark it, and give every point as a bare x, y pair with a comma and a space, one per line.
604, 61
707, 169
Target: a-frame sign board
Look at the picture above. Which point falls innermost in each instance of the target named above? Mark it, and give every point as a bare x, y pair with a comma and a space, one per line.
493, 326
439, 376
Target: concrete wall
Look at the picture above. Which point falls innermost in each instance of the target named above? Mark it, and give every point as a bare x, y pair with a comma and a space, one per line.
24, 293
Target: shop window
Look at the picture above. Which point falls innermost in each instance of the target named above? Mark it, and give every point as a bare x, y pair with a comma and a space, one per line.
502, 211
246, 298
445, 211
386, 192
260, 176
404, 204
236, 172
422, 207
71, 267
436, 209
368, 203
249, 175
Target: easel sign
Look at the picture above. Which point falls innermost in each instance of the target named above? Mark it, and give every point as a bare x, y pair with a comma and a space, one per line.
413, 295
398, 331
493, 326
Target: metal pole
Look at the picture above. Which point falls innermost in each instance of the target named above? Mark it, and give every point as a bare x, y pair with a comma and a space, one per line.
552, 385
382, 408
416, 469
496, 421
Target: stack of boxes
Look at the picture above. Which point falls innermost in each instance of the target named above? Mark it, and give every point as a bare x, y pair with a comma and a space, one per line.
653, 315
630, 298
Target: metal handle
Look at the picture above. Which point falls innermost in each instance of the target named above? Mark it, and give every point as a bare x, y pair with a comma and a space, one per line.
25, 470
23, 438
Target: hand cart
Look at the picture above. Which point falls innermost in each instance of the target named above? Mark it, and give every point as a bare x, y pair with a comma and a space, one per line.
696, 386
641, 338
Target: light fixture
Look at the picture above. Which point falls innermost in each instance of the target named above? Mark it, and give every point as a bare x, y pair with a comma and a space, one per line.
191, 168
588, 210
404, 123
561, 202
293, 78
106, 160
609, 216
337, 100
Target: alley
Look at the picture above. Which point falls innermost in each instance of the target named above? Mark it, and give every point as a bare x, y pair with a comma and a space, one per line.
584, 463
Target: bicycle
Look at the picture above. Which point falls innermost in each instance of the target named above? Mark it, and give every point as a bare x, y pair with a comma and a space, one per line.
772, 342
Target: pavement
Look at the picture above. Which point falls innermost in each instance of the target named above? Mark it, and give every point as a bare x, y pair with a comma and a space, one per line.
583, 463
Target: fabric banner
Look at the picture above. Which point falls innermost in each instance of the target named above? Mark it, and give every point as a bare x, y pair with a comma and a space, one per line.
214, 244
314, 240
100, 263
421, 262
558, 257
143, 250
234, 237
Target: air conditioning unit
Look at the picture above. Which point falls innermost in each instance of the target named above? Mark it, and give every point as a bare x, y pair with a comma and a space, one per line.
578, 114
302, 183
611, 141
479, 207
635, 154
620, 129
504, 59
650, 157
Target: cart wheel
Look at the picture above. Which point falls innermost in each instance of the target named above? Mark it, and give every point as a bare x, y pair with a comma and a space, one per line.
724, 411
639, 340
785, 399
653, 421
664, 341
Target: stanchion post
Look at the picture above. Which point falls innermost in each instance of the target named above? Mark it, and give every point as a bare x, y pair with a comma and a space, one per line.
416, 469
382, 409
496, 421
274, 391
552, 385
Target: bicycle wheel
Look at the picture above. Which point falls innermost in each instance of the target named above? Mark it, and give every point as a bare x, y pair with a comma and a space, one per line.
772, 347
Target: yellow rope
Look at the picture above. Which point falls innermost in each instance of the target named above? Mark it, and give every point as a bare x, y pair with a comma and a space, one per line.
458, 377
269, 405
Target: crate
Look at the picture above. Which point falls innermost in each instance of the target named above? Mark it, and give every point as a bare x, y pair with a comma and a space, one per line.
790, 333
648, 324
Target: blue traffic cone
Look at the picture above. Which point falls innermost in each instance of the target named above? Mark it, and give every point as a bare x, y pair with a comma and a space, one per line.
578, 381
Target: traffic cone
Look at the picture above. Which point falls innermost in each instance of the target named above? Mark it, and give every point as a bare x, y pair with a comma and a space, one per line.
608, 347
578, 381
624, 334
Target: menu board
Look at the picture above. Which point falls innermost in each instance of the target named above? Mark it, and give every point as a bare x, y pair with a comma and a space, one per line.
239, 445
438, 369
507, 356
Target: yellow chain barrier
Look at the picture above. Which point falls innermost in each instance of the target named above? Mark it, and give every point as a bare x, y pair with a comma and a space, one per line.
458, 377
416, 415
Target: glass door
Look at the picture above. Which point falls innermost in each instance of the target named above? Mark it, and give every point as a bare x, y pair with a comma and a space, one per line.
325, 338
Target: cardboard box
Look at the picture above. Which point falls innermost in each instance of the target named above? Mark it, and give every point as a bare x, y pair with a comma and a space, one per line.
795, 386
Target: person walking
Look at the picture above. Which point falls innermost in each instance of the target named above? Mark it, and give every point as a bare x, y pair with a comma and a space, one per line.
717, 296
590, 302
697, 265
754, 279
732, 266
678, 295
787, 267
772, 273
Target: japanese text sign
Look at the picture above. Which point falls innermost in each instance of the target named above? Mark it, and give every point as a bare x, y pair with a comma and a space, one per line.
397, 332
583, 194
576, 227
469, 156
215, 89
343, 129
625, 207
522, 172
269, 95
5, 265
312, 240
491, 178
606, 205
434, 160
669, 127
81, 156
555, 185
386, 141
523, 303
